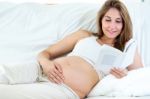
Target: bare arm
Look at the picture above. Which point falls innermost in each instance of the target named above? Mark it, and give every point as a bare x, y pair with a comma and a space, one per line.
137, 62
63, 46
52, 69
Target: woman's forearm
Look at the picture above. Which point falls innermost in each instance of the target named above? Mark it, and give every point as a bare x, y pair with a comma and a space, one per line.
43, 56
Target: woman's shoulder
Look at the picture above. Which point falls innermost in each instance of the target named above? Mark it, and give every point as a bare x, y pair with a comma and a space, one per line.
85, 32
81, 34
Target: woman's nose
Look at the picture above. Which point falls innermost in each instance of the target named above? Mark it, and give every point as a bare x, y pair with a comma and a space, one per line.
112, 25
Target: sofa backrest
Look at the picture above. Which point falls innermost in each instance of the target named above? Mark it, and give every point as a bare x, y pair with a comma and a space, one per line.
28, 28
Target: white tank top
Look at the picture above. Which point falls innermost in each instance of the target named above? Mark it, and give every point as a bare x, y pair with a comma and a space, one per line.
89, 49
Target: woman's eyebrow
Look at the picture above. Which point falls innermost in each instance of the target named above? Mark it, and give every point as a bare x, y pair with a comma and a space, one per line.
107, 16
110, 17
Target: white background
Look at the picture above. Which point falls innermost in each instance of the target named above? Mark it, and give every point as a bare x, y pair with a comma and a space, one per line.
66, 1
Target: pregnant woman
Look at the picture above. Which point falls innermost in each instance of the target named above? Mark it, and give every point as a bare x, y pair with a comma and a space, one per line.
77, 70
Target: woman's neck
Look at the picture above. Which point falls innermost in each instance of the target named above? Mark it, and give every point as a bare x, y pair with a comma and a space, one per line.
107, 41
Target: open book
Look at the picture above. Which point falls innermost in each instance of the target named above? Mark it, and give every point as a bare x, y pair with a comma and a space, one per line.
110, 57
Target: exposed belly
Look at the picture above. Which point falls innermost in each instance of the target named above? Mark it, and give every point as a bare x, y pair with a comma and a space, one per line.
79, 75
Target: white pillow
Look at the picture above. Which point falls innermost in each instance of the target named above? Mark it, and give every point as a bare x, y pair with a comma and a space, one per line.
136, 83
19, 73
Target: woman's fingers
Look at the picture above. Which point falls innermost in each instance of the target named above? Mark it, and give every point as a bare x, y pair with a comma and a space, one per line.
118, 72
54, 79
56, 74
113, 72
58, 67
60, 75
59, 70
122, 72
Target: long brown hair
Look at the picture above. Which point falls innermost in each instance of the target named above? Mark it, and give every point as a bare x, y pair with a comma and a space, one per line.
126, 33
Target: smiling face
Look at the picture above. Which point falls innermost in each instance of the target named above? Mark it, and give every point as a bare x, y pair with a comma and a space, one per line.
112, 24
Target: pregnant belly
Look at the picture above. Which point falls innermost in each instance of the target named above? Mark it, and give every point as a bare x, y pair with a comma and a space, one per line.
79, 75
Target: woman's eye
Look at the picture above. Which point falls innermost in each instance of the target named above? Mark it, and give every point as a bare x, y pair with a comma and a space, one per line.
107, 20
118, 21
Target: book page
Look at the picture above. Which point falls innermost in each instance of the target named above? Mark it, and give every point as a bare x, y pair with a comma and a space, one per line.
110, 57
129, 51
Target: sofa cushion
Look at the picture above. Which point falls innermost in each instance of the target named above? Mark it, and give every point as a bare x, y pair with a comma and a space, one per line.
28, 28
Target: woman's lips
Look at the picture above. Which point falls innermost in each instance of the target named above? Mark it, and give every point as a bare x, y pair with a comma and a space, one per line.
111, 33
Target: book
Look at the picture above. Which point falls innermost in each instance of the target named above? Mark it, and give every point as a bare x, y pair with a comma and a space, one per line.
110, 57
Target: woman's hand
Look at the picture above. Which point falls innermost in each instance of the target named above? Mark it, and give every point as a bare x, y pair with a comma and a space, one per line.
118, 72
53, 71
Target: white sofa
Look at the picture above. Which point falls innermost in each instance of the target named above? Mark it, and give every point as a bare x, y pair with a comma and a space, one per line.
26, 29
